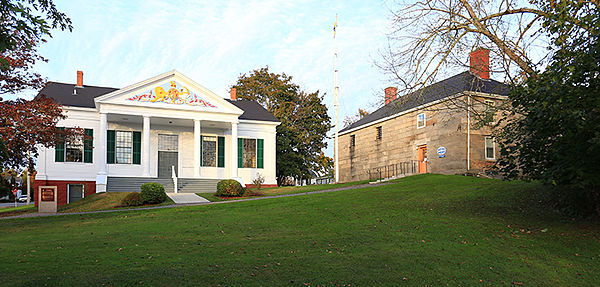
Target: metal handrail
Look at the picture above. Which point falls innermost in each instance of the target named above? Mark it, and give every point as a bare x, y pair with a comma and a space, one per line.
393, 170
174, 176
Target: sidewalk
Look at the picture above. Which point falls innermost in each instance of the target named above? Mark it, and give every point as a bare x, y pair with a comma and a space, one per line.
195, 204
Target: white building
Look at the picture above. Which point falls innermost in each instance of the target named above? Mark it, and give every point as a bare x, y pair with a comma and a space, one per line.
165, 129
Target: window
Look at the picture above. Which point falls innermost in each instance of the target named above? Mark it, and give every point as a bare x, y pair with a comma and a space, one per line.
78, 149
74, 150
209, 151
490, 111
124, 143
168, 142
489, 148
421, 120
379, 134
352, 141
249, 153
124, 147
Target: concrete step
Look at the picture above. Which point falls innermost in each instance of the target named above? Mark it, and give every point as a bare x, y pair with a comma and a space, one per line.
197, 185
133, 184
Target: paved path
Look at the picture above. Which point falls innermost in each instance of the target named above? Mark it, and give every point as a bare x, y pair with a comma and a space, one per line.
194, 204
185, 198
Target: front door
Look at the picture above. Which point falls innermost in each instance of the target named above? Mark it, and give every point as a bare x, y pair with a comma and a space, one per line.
167, 154
75, 192
422, 158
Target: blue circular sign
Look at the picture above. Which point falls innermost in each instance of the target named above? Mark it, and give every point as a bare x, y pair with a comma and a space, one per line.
441, 150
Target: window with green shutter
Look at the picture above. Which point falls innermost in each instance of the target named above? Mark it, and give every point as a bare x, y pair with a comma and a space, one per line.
110, 146
137, 147
88, 144
221, 152
59, 150
240, 152
260, 153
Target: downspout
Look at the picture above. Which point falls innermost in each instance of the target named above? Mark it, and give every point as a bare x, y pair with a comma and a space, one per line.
468, 133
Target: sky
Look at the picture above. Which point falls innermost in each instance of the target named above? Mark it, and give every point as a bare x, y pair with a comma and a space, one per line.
119, 43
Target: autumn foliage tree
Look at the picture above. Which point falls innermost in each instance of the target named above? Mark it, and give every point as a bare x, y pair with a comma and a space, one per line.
303, 116
27, 125
23, 26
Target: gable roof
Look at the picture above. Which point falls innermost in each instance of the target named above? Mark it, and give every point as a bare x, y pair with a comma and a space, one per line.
62, 93
253, 111
462, 82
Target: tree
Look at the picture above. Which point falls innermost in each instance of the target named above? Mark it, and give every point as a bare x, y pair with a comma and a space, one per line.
553, 134
25, 125
431, 35
303, 116
24, 24
349, 120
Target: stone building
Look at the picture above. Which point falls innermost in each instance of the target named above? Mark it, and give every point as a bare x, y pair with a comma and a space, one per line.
443, 128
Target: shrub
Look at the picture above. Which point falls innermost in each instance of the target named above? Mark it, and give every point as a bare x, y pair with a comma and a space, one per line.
258, 181
153, 192
229, 188
132, 199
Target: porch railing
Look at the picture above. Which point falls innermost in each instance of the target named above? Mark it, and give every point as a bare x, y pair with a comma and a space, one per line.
393, 170
174, 176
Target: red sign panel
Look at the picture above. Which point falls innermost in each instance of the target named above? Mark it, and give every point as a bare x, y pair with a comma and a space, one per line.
47, 194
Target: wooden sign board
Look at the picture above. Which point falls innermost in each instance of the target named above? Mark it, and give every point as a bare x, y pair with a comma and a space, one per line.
47, 196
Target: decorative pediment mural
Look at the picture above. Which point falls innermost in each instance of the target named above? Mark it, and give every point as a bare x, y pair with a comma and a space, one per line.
172, 93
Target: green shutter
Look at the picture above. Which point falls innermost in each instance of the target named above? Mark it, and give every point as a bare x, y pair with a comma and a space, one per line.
259, 153
110, 146
59, 150
88, 143
137, 147
240, 151
201, 151
221, 152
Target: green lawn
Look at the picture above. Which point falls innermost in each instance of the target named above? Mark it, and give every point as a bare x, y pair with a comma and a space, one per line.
102, 201
269, 191
423, 230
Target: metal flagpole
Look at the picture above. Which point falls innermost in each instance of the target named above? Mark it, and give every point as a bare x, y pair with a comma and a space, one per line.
336, 104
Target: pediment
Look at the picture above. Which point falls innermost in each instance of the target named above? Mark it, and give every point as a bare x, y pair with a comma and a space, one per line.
171, 90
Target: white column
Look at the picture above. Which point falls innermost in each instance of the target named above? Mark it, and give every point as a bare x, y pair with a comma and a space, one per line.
146, 147
197, 150
234, 150
100, 143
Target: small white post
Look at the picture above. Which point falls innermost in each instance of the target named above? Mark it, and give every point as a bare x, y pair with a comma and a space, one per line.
174, 176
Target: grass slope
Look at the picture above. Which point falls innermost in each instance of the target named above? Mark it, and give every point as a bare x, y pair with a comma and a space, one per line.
429, 229
102, 201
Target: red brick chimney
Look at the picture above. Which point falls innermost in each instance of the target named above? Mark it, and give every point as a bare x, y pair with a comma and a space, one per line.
480, 63
390, 94
232, 93
80, 79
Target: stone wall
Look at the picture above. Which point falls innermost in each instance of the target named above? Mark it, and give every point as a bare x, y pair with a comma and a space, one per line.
445, 126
